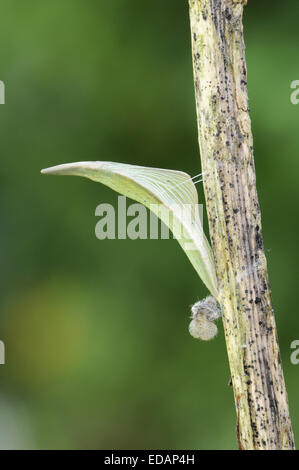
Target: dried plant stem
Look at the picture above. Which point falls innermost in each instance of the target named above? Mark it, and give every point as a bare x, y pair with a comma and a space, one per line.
225, 139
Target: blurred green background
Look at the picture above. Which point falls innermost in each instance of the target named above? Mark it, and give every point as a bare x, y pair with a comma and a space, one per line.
98, 353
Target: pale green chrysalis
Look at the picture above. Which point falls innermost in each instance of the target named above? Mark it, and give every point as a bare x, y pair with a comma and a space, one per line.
156, 188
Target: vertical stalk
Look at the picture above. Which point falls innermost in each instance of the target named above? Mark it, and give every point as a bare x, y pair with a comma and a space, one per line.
226, 149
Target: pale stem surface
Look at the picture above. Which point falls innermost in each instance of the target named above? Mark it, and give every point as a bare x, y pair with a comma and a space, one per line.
226, 149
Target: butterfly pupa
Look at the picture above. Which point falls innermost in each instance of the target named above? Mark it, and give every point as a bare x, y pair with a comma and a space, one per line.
165, 192
204, 313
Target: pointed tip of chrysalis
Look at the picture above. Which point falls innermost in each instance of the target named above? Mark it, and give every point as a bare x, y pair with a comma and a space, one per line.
64, 169
75, 169
47, 171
